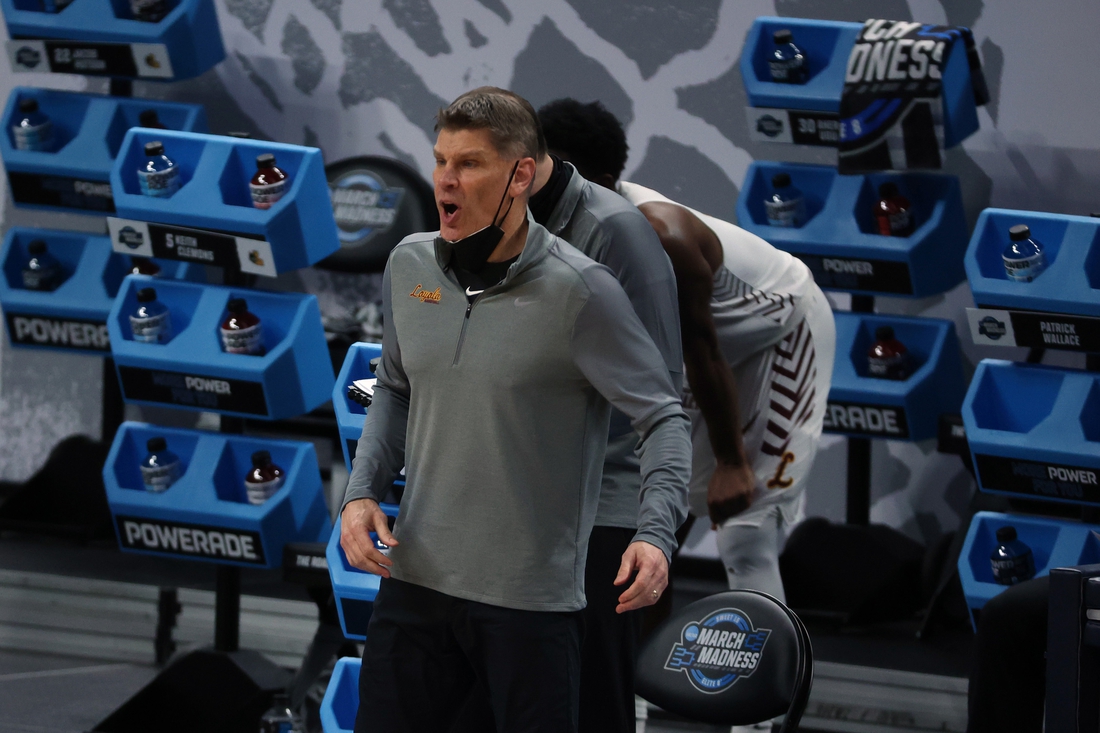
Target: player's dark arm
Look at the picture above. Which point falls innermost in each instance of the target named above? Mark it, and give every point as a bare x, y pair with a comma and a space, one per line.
696, 254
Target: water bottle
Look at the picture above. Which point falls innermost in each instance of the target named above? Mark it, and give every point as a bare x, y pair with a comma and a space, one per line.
42, 271
265, 478
161, 468
149, 118
787, 63
242, 332
150, 322
150, 11
280, 718
32, 130
888, 358
1012, 561
55, 6
784, 207
269, 184
1023, 257
158, 175
892, 212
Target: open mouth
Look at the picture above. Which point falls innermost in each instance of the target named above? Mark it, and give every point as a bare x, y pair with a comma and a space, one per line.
449, 209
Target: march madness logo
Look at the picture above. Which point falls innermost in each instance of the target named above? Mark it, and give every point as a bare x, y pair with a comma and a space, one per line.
719, 650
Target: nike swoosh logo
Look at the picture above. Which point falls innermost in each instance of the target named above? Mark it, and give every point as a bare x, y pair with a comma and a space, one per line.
471, 293
520, 302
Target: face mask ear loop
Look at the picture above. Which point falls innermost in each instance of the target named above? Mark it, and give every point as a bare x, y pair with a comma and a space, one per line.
505, 195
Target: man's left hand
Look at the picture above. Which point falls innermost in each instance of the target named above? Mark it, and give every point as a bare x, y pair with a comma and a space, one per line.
651, 581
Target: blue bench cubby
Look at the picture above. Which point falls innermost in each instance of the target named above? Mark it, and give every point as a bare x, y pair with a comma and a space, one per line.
1071, 281
354, 589
192, 372
88, 131
827, 46
214, 195
865, 406
341, 702
209, 498
182, 45
840, 242
72, 317
1034, 431
1054, 543
350, 415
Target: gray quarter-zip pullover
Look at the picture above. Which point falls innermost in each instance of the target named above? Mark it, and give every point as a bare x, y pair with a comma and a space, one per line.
610, 230
499, 410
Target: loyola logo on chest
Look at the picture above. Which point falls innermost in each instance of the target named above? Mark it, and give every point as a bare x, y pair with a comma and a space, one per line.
426, 296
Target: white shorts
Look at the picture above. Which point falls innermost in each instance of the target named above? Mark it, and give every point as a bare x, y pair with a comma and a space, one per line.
782, 393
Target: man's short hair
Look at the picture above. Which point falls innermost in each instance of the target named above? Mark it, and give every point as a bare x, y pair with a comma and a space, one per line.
510, 119
591, 136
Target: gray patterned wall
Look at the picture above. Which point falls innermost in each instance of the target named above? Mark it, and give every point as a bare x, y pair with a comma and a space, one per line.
366, 76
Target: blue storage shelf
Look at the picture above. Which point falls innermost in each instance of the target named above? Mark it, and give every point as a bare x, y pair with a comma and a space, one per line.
1071, 282
295, 232
209, 498
839, 241
351, 415
102, 38
864, 406
1054, 544
192, 372
1034, 431
827, 46
74, 316
88, 131
341, 702
354, 589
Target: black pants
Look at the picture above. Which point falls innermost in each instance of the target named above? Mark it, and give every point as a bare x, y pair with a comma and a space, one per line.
1008, 682
610, 639
425, 650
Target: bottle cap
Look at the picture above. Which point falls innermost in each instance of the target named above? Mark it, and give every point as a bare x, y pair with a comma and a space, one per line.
148, 118
261, 458
156, 445
1019, 233
146, 295
237, 305
267, 160
884, 333
154, 148
28, 105
888, 190
37, 247
781, 180
1006, 534
783, 36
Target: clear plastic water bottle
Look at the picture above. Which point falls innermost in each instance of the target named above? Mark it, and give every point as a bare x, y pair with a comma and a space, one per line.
32, 130
784, 207
280, 718
787, 63
151, 322
1023, 257
161, 468
1012, 561
158, 175
42, 271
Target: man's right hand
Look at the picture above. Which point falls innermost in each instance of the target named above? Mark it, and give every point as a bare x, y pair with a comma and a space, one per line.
358, 520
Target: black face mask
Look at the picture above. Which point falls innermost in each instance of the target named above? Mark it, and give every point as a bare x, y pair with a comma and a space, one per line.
472, 252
